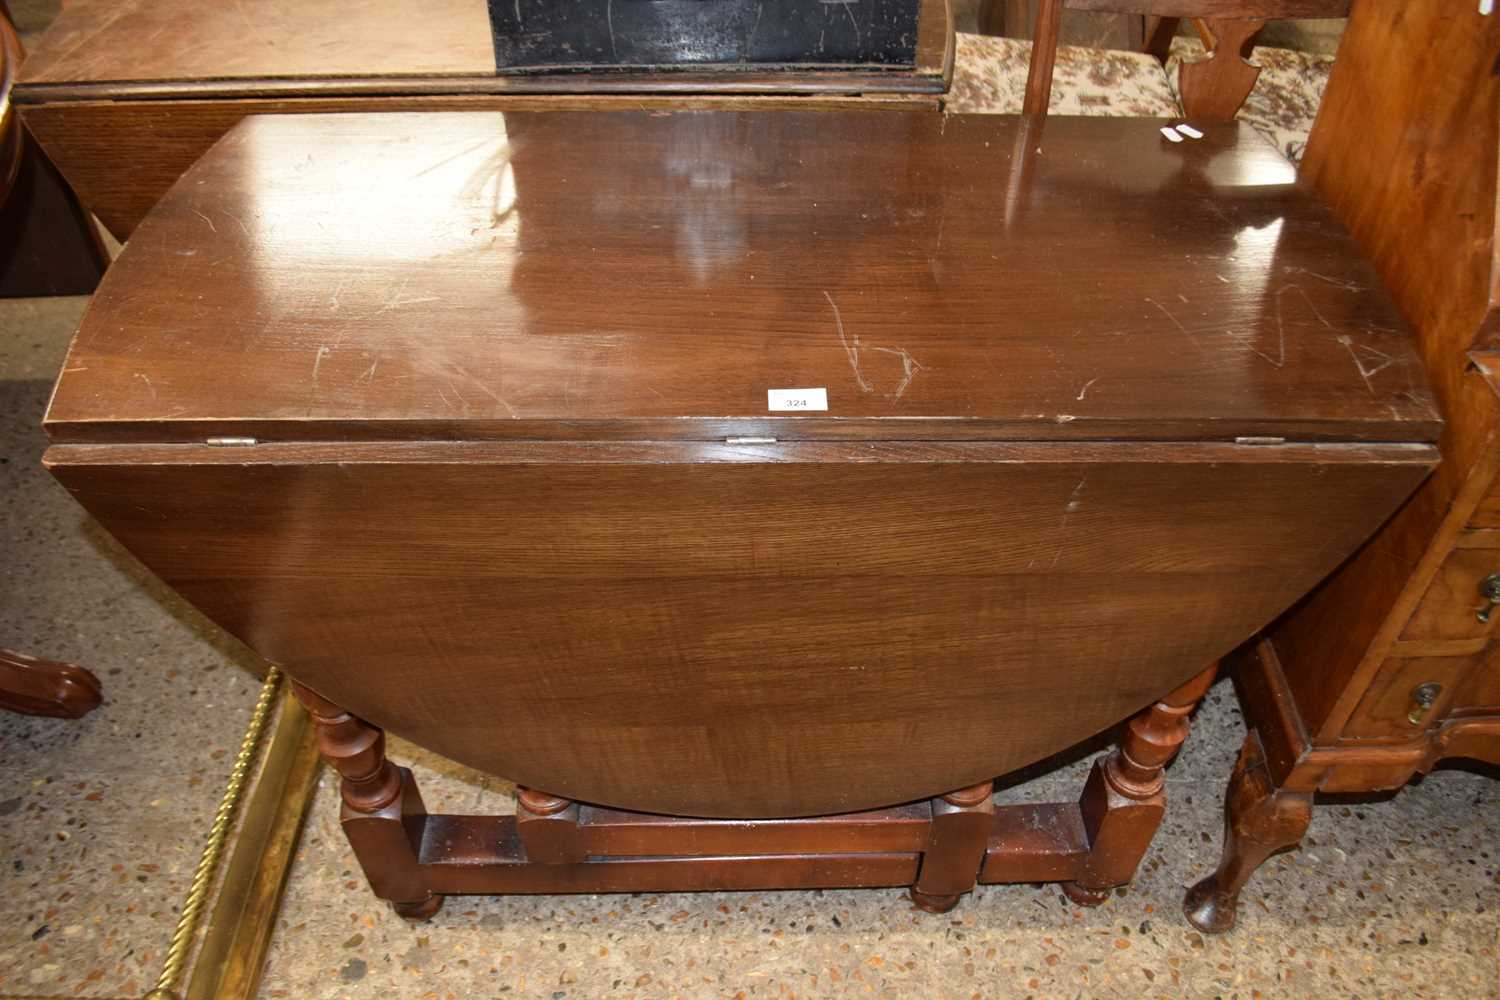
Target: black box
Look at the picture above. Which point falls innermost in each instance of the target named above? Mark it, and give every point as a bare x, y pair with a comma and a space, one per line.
601, 34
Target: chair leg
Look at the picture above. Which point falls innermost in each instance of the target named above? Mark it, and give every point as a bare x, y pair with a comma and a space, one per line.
1159, 33
33, 686
1043, 57
1259, 820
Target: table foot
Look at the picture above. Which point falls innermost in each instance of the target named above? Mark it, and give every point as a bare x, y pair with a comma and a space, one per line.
934, 904
421, 910
1083, 895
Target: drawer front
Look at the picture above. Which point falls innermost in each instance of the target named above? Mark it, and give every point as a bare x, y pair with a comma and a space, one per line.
1396, 706
1454, 606
1480, 692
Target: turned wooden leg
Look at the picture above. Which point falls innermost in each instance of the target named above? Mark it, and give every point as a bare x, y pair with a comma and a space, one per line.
32, 686
382, 814
956, 841
1124, 799
1259, 820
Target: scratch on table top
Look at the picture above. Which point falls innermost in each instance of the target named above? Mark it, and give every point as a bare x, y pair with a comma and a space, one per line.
909, 369
1175, 321
1085, 390
211, 226
322, 352
449, 159
1365, 372
147, 379
1348, 286
238, 222
1074, 502
852, 350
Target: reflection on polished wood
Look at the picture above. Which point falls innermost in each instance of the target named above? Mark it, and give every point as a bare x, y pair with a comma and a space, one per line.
649, 277
1390, 666
124, 116
464, 420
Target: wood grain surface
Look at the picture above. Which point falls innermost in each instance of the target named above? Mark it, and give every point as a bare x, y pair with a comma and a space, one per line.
1099, 408
649, 276
122, 156
1414, 88
741, 630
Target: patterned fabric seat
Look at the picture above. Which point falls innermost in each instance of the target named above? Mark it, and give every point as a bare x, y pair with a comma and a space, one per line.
1285, 99
989, 76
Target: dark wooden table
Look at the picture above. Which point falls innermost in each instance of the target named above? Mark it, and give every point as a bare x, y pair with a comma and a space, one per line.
126, 94
469, 422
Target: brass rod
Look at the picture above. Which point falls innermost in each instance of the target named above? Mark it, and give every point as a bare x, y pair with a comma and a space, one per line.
230, 960
203, 876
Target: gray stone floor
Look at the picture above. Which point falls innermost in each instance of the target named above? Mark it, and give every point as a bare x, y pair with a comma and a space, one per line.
100, 822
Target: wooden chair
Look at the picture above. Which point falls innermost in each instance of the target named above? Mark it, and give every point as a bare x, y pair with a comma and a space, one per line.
1213, 88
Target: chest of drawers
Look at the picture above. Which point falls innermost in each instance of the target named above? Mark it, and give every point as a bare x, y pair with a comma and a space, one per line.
1389, 667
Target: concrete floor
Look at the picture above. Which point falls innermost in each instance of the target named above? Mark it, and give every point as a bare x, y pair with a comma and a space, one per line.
100, 823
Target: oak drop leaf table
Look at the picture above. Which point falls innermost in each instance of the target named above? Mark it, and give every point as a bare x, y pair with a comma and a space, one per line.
751, 488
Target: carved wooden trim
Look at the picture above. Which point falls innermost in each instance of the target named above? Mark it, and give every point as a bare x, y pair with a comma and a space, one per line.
356, 750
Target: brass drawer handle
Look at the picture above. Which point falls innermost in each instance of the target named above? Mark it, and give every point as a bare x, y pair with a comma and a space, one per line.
1423, 697
1489, 589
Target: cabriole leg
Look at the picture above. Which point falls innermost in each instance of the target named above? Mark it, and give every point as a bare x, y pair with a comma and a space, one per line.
1259, 820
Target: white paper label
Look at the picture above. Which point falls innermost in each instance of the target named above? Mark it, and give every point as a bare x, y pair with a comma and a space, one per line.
796, 400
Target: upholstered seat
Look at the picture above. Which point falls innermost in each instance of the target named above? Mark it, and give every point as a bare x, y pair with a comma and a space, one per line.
989, 76
1286, 97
